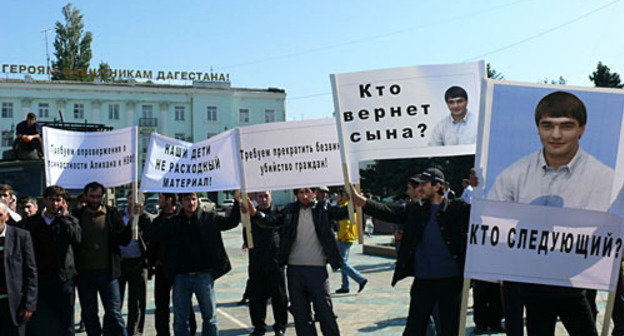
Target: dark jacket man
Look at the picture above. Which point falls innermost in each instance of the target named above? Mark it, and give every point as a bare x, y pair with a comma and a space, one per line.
307, 257
432, 250
20, 273
266, 246
120, 234
66, 234
453, 218
210, 226
322, 215
267, 280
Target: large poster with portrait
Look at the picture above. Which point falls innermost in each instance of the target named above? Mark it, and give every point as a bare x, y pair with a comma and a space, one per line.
548, 147
405, 112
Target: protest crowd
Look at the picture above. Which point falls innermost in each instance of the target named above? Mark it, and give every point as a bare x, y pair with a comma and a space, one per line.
55, 246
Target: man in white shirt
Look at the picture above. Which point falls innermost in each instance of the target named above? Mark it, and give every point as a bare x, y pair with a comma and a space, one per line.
467, 193
460, 127
560, 174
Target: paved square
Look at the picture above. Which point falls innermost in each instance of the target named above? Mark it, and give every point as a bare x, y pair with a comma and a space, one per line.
378, 310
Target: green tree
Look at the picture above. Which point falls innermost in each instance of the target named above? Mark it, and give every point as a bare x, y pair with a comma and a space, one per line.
492, 73
72, 47
560, 81
603, 77
388, 178
105, 73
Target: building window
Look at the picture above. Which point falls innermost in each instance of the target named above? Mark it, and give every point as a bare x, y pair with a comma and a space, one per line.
147, 110
211, 113
144, 142
243, 116
269, 116
180, 136
7, 110
44, 110
78, 111
113, 111
179, 113
210, 135
7, 138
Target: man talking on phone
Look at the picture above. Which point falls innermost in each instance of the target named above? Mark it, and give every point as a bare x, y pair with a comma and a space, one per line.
55, 235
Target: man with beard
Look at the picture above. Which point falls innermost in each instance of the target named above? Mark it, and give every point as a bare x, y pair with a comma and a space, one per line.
433, 250
98, 260
307, 245
266, 276
55, 235
168, 204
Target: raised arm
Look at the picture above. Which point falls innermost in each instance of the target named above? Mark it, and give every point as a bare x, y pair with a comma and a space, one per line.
227, 222
393, 213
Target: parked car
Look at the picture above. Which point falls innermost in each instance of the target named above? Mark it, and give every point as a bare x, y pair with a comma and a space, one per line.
122, 203
227, 204
207, 204
151, 205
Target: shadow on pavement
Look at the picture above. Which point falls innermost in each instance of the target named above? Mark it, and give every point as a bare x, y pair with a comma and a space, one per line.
395, 322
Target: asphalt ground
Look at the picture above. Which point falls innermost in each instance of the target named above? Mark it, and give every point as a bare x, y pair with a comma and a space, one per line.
378, 310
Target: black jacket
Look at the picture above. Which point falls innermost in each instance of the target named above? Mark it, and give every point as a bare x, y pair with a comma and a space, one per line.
265, 253
119, 235
155, 249
210, 225
453, 219
67, 234
21, 272
288, 218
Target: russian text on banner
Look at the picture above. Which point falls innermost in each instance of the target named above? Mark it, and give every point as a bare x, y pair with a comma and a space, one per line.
289, 155
405, 112
73, 159
176, 166
543, 245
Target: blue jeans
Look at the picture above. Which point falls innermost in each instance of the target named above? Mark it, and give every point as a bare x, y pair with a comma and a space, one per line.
90, 283
202, 285
346, 269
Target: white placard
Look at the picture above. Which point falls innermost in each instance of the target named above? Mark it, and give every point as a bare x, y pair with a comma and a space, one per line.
294, 154
74, 159
543, 245
177, 166
400, 112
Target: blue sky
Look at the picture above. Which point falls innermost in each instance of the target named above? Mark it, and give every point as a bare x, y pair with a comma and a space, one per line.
295, 45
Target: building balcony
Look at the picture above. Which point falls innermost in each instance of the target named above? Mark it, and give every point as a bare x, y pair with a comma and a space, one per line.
148, 122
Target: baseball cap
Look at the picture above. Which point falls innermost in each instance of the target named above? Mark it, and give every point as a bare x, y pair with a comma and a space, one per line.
430, 175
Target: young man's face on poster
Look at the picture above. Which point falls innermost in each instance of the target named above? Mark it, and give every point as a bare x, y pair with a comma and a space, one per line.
560, 136
457, 106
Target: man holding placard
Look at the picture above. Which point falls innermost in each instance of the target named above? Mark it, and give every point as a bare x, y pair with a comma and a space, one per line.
266, 275
307, 244
561, 174
432, 250
195, 258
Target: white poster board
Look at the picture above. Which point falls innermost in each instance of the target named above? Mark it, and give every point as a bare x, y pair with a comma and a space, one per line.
526, 128
545, 245
289, 155
400, 112
74, 159
176, 166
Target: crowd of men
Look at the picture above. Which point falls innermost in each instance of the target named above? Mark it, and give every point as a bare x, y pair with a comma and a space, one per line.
46, 255
90, 250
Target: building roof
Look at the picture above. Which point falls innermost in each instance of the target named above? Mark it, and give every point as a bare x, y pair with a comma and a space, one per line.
197, 86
